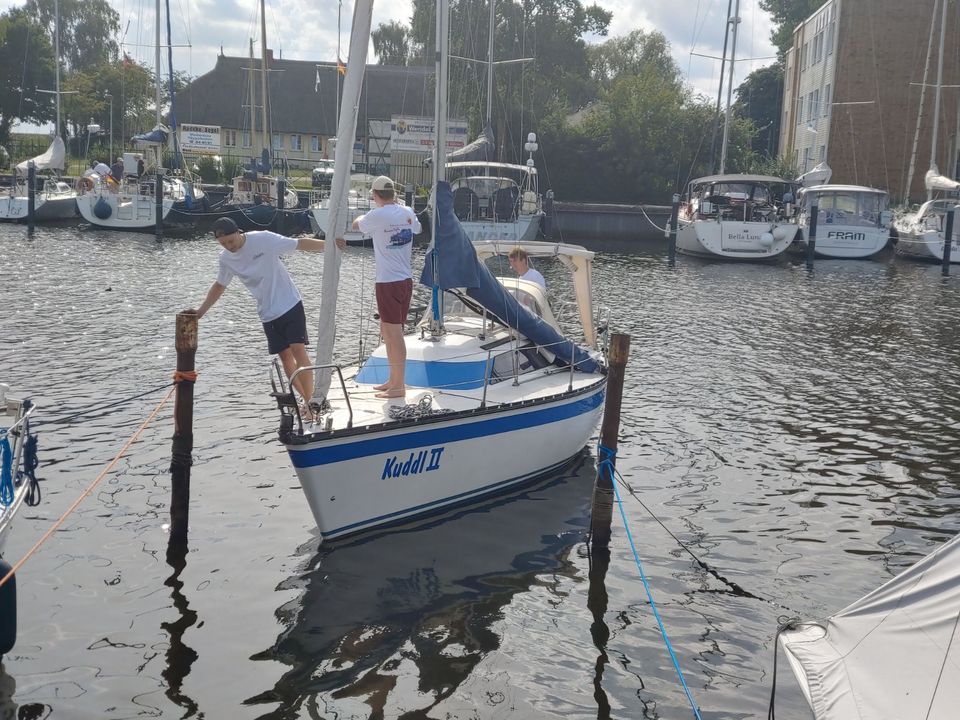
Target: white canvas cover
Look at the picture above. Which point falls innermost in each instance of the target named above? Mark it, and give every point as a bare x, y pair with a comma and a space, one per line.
818, 175
52, 159
895, 653
935, 181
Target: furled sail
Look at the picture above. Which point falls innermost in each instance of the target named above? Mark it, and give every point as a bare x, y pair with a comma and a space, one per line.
483, 149
935, 181
157, 136
818, 175
52, 159
895, 653
459, 267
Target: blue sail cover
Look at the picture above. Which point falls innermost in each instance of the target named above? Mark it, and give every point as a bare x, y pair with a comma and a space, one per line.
459, 267
157, 136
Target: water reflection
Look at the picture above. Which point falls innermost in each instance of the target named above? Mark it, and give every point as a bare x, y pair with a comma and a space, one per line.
403, 619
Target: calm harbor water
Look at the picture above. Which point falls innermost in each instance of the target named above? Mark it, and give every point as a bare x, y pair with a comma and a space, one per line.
796, 430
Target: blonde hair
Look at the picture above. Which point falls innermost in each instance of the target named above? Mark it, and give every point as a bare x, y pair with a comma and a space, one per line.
518, 253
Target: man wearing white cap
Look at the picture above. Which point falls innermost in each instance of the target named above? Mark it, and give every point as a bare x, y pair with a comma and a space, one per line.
392, 228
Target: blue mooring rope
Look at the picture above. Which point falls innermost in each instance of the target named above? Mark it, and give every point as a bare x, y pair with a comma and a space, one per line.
607, 456
6, 472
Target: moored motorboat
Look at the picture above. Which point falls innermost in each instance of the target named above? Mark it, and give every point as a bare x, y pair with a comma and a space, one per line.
852, 221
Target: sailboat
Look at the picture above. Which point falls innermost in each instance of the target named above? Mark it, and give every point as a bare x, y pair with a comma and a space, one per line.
487, 368
495, 200
922, 234
130, 202
853, 221
56, 200
734, 216
259, 200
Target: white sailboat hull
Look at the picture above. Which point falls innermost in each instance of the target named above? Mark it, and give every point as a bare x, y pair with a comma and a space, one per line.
847, 241
320, 216
927, 245
734, 240
523, 229
381, 475
127, 212
53, 207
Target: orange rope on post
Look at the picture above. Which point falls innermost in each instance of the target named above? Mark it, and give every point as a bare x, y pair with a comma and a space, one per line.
184, 375
103, 473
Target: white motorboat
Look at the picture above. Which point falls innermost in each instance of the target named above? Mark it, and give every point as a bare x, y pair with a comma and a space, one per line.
738, 217
358, 203
499, 375
852, 221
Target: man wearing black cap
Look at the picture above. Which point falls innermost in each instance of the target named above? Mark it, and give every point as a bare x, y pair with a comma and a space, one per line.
254, 257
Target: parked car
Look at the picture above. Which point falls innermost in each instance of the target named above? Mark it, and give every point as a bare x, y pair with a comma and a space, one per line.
322, 175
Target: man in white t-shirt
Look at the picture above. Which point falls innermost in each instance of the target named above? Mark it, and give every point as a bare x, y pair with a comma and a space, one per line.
254, 257
520, 262
392, 228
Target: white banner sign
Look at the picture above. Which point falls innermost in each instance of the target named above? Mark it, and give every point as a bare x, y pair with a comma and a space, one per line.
415, 134
202, 139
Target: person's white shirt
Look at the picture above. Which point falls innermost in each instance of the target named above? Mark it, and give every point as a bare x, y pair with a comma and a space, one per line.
534, 276
392, 228
258, 266
101, 169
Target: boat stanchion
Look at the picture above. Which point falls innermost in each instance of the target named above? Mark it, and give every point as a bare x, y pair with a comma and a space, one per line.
812, 234
31, 195
672, 232
601, 513
158, 199
948, 239
182, 451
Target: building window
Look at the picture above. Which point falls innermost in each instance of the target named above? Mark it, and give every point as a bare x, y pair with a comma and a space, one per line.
810, 107
230, 138
806, 160
295, 142
315, 143
246, 139
826, 101
800, 110
817, 49
803, 57
278, 141
823, 152
814, 105
830, 33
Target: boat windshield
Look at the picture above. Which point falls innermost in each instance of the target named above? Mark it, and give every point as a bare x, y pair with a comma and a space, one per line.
483, 186
454, 307
849, 208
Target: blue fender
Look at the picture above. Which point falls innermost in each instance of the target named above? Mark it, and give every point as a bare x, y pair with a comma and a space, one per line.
102, 209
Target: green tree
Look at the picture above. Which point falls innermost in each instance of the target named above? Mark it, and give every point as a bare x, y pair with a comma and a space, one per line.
632, 54
28, 66
787, 14
87, 30
759, 99
390, 43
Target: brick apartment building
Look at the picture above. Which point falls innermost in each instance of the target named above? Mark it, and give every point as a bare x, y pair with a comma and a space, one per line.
852, 92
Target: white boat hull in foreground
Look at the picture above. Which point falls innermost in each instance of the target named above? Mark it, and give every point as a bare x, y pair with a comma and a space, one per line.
847, 241
921, 235
928, 245
356, 481
734, 240
55, 205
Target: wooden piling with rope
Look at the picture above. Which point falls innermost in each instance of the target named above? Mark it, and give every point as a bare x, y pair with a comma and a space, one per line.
182, 450
601, 514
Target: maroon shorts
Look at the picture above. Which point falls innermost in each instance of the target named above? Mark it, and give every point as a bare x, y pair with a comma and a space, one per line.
393, 300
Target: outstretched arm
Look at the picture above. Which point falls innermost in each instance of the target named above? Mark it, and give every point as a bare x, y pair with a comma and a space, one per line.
216, 290
314, 245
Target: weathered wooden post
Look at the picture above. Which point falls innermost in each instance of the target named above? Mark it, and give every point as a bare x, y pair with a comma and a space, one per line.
182, 451
31, 195
948, 240
672, 233
281, 194
158, 199
602, 511
812, 232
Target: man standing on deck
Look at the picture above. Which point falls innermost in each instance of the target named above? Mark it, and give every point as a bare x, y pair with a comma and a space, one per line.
392, 228
520, 262
254, 257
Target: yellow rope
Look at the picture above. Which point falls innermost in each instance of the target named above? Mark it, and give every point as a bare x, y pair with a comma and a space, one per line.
89, 489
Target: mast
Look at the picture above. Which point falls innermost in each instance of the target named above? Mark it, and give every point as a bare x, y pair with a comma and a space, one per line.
923, 94
936, 95
254, 138
346, 132
735, 21
56, 43
173, 111
267, 141
440, 147
490, 66
157, 61
716, 113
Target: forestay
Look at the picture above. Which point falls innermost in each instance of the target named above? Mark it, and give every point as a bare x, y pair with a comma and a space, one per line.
892, 654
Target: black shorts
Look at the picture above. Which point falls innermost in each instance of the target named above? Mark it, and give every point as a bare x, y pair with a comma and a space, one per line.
288, 329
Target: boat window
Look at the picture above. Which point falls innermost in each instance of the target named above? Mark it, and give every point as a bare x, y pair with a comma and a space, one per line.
528, 359
849, 208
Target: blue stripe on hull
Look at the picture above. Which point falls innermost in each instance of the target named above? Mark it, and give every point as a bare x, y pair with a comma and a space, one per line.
419, 511
428, 374
487, 426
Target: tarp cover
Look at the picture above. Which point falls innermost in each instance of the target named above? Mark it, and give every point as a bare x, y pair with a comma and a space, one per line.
893, 654
459, 267
52, 159
483, 149
819, 175
157, 136
935, 181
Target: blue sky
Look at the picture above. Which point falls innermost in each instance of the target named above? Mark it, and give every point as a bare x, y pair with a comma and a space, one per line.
307, 30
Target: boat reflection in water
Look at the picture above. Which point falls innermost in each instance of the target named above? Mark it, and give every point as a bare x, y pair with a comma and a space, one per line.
427, 594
